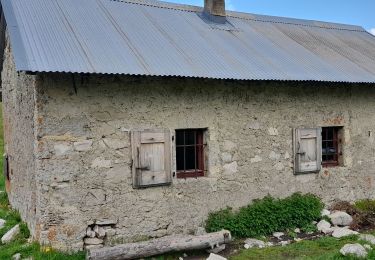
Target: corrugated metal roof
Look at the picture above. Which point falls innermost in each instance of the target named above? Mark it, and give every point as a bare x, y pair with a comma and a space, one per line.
144, 37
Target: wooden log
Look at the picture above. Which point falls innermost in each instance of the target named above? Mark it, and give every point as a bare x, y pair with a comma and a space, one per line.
160, 246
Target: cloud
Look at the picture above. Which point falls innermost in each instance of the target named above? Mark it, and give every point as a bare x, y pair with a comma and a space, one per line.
372, 31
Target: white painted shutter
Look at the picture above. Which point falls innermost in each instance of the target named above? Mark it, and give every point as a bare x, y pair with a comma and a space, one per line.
151, 153
307, 150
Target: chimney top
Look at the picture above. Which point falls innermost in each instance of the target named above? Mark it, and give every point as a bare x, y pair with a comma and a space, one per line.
215, 7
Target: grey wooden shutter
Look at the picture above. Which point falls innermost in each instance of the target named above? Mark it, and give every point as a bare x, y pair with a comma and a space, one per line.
307, 150
151, 154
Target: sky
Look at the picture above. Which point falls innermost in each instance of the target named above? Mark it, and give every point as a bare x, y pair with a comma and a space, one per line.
356, 12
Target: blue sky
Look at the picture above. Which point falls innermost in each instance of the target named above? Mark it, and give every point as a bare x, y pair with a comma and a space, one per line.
357, 12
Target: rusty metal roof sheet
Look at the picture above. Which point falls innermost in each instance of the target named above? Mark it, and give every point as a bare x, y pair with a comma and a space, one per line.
145, 37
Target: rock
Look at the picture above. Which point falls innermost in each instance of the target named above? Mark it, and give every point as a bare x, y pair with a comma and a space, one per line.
246, 246
368, 238
297, 239
256, 159
269, 244
215, 257
11, 234
278, 235
216, 250
83, 146
297, 230
273, 131
230, 168
274, 156
106, 222
340, 218
324, 226
101, 163
62, 149
325, 212
342, 232
254, 243
2, 223
356, 250
115, 144
93, 241
88, 247
284, 243
90, 232
99, 231
226, 157
16, 256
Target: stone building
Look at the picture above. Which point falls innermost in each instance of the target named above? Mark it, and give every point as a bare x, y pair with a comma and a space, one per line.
134, 119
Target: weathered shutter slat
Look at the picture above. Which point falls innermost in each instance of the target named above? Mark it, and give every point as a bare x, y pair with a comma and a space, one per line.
307, 150
151, 154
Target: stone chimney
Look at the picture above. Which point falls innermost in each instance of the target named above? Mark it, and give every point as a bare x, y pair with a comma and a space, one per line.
214, 7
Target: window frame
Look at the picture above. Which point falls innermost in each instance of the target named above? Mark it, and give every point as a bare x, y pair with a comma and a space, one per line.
200, 147
336, 145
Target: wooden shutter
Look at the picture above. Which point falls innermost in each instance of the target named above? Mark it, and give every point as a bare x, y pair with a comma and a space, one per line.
151, 153
307, 150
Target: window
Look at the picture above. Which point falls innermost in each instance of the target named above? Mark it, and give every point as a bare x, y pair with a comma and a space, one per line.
330, 146
190, 153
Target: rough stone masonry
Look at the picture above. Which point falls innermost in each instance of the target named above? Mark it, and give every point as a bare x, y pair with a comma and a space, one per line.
68, 141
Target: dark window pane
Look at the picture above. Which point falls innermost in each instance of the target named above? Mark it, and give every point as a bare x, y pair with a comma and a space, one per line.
180, 158
190, 158
179, 137
190, 137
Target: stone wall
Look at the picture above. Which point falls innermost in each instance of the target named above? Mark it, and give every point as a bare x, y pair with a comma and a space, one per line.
84, 154
18, 119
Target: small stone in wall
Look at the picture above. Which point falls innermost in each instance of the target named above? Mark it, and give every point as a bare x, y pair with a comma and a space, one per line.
115, 144
93, 241
256, 159
229, 146
226, 157
274, 156
273, 131
83, 146
253, 125
88, 247
106, 222
99, 231
230, 168
101, 163
90, 232
325, 212
62, 149
279, 166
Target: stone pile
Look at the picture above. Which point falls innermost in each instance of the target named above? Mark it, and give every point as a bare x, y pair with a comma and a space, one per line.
98, 233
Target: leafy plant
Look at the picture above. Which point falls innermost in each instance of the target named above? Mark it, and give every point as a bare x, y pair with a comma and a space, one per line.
268, 215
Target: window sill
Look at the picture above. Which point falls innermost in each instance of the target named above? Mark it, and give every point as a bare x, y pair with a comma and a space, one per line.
192, 174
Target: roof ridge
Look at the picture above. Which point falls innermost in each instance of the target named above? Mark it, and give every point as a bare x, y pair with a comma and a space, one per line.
249, 16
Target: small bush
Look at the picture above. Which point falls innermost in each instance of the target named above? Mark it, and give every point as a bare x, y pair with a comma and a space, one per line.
268, 215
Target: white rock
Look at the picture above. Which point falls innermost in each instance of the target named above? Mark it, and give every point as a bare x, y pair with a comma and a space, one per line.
230, 168
274, 156
106, 222
368, 238
325, 212
253, 125
246, 246
93, 241
2, 223
90, 232
226, 157
354, 250
278, 234
215, 257
11, 234
297, 230
324, 226
62, 149
88, 247
269, 244
16, 256
101, 163
342, 232
255, 243
284, 243
340, 218
216, 249
83, 146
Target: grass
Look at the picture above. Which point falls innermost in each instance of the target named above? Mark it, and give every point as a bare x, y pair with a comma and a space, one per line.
326, 248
